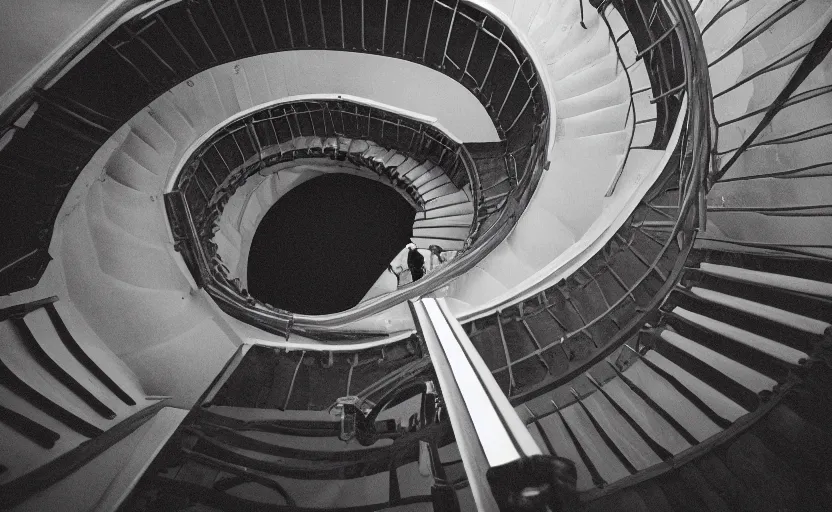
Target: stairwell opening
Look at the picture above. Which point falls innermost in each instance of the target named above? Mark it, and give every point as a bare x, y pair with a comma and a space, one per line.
323, 245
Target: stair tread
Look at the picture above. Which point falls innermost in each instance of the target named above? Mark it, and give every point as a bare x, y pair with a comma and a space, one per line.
663, 393
731, 489
718, 402
801, 322
748, 377
16, 358
754, 341
699, 487
47, 337
795, 284
607, 464
651, 422
778, 486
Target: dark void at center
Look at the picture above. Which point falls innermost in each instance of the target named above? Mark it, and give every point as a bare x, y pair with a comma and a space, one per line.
323, 245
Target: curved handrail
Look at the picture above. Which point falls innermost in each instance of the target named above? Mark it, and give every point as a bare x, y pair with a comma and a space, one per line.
497, 71
490, 239
194, 229
694, 148
316, 326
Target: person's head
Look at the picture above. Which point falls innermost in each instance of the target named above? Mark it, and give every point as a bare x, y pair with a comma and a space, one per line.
411, 246
435, 249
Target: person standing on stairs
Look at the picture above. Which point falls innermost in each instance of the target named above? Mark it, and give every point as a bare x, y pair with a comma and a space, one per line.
415, 262
435, 258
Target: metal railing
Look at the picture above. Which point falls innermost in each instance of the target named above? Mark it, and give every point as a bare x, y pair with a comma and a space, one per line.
150, 42
326, 128
689, 168
657, 53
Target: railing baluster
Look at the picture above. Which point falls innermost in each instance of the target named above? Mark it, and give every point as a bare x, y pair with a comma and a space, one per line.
491, 64
292, 383
255, 141
427, 34
363, 44
512, 385
384, 27
323, 24
508, 93
541, 431
343, 40
201, 35
471, 51
245, 26
227, 167
176, 40
129, 62
303, 23
222, 29
208, 170
448, 38
406, 23
268, 23
684, 391
288, 23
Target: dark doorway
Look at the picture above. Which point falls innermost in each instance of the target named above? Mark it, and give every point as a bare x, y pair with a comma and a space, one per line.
323, 245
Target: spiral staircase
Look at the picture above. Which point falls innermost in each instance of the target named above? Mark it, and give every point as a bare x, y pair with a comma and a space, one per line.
636, 194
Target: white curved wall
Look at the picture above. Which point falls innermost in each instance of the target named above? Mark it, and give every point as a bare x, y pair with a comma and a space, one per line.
112, 246
387, 80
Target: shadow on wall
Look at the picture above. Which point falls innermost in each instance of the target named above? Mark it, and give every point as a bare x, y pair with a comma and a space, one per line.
323, 245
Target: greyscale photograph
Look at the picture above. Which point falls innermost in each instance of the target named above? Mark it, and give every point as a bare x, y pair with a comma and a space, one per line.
416, 255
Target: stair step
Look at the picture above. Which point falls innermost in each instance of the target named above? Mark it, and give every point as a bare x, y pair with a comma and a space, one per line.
726, 484
790, 283
667, 397
625, 501
463, 220
418, 172
110, 368
445, 189
727, 389
804, 305
553, 428
754, 341
621, 433
606, 463
647, 418
654, 497
446, 244
680, 494
778, 315
739, 373
52, 336
806, 447
428, 179
757, 324
778, 486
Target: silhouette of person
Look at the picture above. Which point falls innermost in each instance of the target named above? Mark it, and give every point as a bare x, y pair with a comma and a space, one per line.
415, 262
